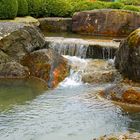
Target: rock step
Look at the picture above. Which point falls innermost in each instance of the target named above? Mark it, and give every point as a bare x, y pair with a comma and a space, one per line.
105, 22
84, 48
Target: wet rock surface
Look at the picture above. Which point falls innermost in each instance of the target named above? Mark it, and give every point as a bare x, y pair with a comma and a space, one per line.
106, 22
20, 58
128, 57
47, 65
84, 48
125, 94
99, 71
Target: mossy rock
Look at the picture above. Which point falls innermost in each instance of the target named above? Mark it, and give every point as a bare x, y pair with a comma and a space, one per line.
128, 57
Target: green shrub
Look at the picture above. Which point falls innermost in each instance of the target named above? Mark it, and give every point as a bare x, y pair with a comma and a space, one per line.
60, 8
22, 8
115, 5
131, 8
8, 9
130, 2
85, 5
34, 7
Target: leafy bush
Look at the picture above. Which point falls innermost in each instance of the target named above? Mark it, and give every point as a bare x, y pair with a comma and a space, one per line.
22, 8
61, 8
34, 7
131, 8
8, 9
130, 2
115, 5
86, 5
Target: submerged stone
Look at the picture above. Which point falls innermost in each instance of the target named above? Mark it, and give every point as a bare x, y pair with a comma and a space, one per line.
120, 136
126, 95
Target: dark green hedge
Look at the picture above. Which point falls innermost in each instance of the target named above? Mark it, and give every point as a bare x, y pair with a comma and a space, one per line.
57, 8
22, 8
60, 8
8, 9
34, 7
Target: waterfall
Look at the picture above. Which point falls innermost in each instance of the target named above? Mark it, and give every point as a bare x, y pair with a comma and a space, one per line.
107, 53
78, 66
69, 46
96, 49
100, 52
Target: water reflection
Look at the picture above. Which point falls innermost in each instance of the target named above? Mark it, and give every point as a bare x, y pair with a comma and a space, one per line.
18, 91
65, 113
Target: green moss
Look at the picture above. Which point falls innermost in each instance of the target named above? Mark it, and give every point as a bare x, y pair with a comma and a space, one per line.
134, 38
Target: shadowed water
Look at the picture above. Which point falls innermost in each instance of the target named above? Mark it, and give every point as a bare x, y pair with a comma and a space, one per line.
69, 112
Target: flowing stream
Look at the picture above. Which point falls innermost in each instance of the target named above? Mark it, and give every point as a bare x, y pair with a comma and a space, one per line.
70, 112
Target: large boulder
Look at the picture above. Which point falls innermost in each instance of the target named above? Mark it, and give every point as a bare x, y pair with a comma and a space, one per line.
21, 42
126, 94
106, 22
128, 57
9, 26
47, 65
122, 93
22, 56
10, 68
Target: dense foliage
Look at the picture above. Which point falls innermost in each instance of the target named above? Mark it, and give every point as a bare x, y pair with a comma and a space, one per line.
59, 8
115, 5
130, 2
34, 7
8, 9
22, 8
132, 8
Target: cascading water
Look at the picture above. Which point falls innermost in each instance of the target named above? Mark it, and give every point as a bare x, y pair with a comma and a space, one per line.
77, 68
69, 112
69, 46
104, 49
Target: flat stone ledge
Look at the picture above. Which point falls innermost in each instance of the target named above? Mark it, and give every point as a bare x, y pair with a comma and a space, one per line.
96, 48
55, 24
